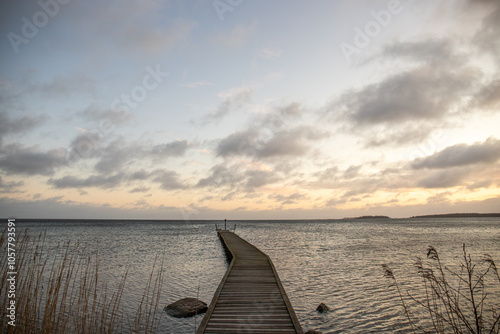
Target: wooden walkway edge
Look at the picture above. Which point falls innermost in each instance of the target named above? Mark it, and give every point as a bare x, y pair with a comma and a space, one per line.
250, 297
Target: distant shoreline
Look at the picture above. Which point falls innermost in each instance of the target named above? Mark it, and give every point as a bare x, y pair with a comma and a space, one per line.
366, 217
459, 215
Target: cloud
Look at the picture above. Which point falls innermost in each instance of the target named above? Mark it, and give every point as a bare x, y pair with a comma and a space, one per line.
260, 144
140, 175
259, 178
9, 187
232, 100
488, 95
168, 180
86, 145
174, 149
461, 155
444, 178
487, 38
114, 156
401, 135
437, 51
94, 114
139, 190
99, 181
237, 37
328, 175
237, 143
285, 143
220, 176
64, 85
16, 159
409, 96
287, 199
118, 153
351, 172
10, 126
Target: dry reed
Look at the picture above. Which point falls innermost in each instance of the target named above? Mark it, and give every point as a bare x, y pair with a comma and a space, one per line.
463, 301
63, 292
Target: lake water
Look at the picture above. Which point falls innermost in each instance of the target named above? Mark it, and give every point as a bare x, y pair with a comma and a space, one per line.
334, 262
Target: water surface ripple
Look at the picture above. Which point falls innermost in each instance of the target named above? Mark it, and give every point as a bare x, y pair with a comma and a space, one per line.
334, 262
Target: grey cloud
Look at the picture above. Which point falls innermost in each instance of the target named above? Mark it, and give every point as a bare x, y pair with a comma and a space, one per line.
220, 175
86, 145
399, 136
287, 199
480, 184
174, 149
428, 51
118, 153
444, 178
140, 175
351, 172
168, 180
488, 37
293, 142
283, 143
228, 105
408, 96
280, 116
18, 125
327, 175
100, 181
118, 116
461, 155
139, 190
114, 156
16, 159
488, 95
235, 176
237, 143
259, 178
9, 187
69, 84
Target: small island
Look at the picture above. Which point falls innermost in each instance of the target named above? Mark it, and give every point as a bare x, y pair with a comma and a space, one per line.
372, 217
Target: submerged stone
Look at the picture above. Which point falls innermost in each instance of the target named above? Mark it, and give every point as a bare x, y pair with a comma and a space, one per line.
186, 307
322, 308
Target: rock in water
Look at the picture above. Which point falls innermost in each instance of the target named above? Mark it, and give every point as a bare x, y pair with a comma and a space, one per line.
186, 307
322, 308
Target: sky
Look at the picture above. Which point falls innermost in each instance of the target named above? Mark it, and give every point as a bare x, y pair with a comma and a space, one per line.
238, 109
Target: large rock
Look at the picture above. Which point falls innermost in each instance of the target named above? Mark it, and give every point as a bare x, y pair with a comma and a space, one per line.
322, 308
186, 307
313, 332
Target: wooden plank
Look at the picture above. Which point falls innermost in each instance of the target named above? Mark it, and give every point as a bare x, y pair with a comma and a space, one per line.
250, 297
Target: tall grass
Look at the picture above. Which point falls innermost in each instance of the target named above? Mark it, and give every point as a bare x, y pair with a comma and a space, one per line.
63, 293
466, 300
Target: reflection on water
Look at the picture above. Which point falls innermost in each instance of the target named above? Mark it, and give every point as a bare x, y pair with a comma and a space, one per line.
337, 263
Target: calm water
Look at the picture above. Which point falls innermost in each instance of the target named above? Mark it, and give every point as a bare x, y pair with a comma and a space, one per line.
337, 263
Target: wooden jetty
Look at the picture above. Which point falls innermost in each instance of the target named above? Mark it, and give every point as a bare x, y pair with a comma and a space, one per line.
250, 298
